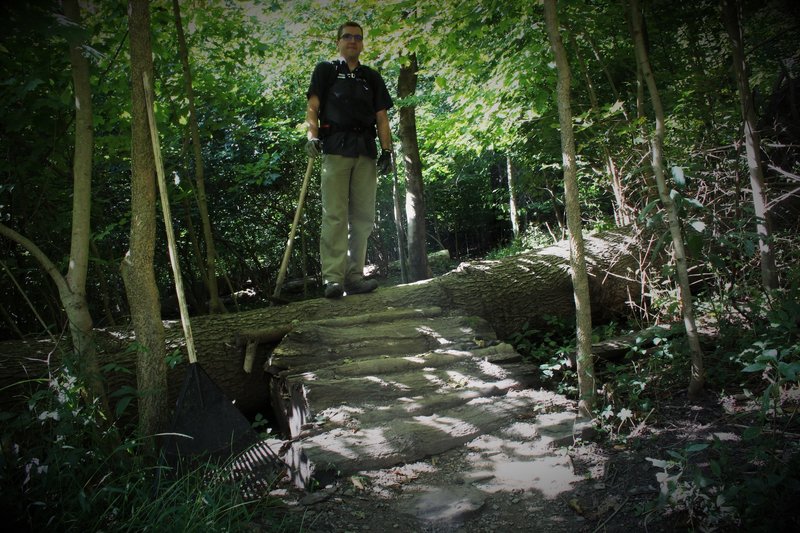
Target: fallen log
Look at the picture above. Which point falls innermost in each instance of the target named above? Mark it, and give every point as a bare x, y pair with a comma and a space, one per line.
507, 293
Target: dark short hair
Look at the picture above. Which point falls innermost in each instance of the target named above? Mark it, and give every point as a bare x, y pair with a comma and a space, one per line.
346, 24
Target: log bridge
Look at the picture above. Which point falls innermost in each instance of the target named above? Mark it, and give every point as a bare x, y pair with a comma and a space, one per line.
385, 388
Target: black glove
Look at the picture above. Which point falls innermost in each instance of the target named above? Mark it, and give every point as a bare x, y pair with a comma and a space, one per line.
314, 147
385, 163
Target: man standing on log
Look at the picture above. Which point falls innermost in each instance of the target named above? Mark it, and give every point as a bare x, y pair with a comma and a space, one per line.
347, 109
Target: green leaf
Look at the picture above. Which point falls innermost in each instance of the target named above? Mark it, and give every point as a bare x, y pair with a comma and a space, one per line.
694, 202
755, 367
122, 405
698, 225
649, 207
678, 177
697, 447
789, 371
751, 433
658, 463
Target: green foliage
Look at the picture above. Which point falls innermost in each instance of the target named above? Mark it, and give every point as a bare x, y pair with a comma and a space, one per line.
772, 359
550, 345
748, 480
655, 364
485, 93
718, 485
685, 489
64, 467
531, 239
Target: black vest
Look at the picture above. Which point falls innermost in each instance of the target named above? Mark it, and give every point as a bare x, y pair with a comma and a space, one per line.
347, 114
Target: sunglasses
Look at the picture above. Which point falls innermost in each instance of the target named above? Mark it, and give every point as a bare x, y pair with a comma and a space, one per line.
352, 37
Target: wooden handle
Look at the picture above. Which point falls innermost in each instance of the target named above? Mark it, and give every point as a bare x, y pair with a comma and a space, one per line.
299, 211
173, 250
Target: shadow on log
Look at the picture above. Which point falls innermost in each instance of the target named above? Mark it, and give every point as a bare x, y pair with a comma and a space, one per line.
507, 293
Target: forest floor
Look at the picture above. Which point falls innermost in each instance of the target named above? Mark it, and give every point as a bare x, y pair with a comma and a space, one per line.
595, 484
603, 480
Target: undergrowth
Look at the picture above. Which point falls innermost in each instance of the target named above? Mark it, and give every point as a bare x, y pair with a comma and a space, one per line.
750, 480
64, 467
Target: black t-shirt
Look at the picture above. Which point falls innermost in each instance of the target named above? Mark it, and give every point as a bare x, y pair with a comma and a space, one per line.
348, 103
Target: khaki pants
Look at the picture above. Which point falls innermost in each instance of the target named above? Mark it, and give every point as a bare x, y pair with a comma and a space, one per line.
349, 185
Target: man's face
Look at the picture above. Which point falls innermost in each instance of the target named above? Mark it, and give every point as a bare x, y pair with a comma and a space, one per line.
350, 43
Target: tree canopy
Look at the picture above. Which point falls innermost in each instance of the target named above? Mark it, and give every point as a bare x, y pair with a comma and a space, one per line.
485, 94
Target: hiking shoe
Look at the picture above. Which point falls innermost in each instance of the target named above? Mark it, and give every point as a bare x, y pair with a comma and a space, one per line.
334, 290
361, 286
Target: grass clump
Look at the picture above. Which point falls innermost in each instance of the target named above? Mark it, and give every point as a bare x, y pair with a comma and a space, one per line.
65, 467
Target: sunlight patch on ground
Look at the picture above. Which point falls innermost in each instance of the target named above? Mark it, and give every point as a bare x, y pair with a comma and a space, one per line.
490, 445
491, 369
436, 380
387, 384
451, 426
521, 430
518, 459
411, 401
353, 445
555, 426
425, 330
549, 475
459, 379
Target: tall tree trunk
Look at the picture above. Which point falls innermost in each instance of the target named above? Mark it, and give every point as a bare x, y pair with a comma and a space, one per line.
137, 266
649, 187
415, 200
580, 280
215, 304
401, 232
512, 197
74, 299
769, 273
697, 373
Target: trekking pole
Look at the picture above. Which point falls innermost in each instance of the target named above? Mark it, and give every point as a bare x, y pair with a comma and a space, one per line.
299, 211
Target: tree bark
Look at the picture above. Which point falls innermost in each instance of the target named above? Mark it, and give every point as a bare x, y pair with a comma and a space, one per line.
509, 293
657, 146
398, 224
137, 266
512, 197
74, 299
215, 304
580, 282
415, 200
769, 273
